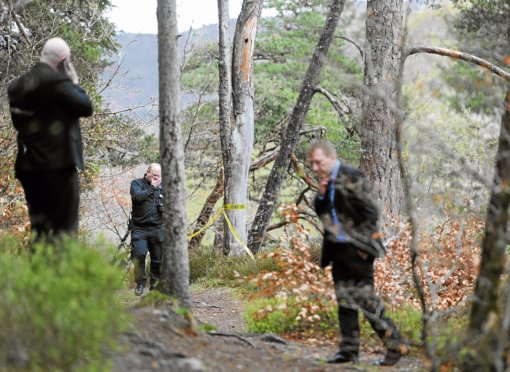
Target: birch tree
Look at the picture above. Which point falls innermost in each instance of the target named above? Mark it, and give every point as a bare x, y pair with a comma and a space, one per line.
175, 271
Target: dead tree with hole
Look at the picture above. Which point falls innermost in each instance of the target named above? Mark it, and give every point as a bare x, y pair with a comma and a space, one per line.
237, 115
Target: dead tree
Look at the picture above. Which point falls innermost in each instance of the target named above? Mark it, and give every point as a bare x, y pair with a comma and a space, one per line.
175, 271
237, 116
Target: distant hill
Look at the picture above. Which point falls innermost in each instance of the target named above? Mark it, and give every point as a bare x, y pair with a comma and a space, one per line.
139, 70
138, 75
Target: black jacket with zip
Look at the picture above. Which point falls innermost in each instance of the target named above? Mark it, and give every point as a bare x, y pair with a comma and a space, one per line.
145, 199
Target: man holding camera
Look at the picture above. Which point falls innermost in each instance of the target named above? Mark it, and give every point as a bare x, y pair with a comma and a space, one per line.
46, 104
147, 230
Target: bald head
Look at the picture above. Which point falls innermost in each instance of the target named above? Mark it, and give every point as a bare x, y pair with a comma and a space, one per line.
54, 51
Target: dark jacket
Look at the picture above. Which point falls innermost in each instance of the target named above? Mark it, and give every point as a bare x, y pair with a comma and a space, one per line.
145, 199
356, 211
45, 108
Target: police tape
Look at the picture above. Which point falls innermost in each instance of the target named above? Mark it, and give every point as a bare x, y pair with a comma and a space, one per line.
222, 210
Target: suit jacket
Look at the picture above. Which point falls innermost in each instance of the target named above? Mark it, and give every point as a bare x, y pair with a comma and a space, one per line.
45, 109
356, 211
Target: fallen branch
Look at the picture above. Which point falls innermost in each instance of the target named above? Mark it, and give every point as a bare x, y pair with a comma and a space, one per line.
264, 159
232, 335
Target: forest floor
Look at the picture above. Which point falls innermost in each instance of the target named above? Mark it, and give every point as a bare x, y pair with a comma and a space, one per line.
161, 340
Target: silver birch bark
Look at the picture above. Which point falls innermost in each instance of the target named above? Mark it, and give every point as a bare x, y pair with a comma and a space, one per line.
175, 263
383, 69
238, 125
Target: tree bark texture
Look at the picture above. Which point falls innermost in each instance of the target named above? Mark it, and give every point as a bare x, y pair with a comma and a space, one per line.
290, 140
383, 69
494, 244
238, 143
175, 262
205, 213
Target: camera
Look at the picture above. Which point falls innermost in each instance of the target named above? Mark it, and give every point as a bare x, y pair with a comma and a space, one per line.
160, 203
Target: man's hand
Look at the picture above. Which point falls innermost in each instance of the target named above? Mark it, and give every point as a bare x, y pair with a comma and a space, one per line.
71, 72
322, 186
155, 181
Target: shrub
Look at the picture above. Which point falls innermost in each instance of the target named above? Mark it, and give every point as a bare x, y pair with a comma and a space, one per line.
215, 269
58, 308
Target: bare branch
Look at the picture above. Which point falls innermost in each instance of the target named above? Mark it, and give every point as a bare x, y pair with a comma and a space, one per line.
457, 55
352, 42
336, 104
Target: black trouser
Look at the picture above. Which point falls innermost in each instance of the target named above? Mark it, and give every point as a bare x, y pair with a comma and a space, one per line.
354, 286
143, 240
53, 198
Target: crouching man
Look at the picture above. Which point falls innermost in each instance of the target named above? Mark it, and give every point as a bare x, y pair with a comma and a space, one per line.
351, 243
147, 230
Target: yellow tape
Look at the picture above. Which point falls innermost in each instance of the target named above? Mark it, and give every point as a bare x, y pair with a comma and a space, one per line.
222, 210
206, 226
230, 207
237, 237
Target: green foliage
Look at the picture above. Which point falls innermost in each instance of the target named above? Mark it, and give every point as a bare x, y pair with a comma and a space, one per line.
429, 155
214, 269
285, 44
149, 148
481, 28
58, 307
284, 318
155, 299
206, 328
408, 319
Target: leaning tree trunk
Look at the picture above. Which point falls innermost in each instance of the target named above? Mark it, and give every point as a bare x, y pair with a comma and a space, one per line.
206, 211
175, 271
494, 245
290, 140
383, 68
237, 127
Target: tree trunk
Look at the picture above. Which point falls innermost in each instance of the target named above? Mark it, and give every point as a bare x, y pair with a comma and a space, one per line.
290, 140
175, 262
494, 244
205, 213
237, 130
383, 68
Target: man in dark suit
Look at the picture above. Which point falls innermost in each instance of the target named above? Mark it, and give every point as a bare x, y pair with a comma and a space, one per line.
46, 104
351, 243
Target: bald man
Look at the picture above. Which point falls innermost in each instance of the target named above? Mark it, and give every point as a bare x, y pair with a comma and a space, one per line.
147, 230
46, 104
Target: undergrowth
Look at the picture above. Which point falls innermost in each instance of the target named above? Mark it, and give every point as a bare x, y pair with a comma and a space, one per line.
212, 269
58, 307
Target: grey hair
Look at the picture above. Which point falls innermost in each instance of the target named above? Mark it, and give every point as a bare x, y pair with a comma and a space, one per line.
326, 146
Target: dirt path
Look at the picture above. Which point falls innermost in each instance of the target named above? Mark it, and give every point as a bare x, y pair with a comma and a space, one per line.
160, 340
